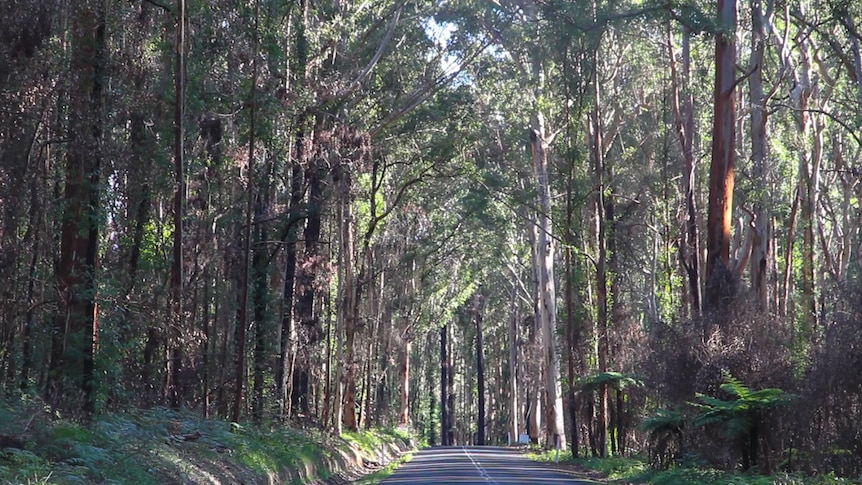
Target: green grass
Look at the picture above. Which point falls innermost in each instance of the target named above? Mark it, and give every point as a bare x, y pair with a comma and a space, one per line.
635, 470
380, 475
145, 447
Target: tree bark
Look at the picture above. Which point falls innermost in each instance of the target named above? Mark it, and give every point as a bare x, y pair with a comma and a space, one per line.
721, 174
76, 327
597, 153
539, 141
445, 430
514, 407
243, 323
760, 251
480, 371
682, 105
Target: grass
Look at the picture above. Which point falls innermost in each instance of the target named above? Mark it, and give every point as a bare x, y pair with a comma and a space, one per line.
380, 475
166, 446
635, 470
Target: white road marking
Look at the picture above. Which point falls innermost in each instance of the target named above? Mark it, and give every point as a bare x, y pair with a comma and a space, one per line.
480, 468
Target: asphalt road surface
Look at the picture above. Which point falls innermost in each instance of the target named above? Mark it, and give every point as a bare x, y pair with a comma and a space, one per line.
476, 465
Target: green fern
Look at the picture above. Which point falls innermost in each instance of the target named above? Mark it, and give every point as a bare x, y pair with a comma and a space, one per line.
741, 414
664, 422
617, 380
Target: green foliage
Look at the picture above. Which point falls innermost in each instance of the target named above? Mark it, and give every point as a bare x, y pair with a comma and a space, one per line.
665, 421
741, 414
616, 380
635, 470
165, 446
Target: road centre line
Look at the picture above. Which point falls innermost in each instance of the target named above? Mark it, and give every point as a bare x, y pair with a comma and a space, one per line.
480, 468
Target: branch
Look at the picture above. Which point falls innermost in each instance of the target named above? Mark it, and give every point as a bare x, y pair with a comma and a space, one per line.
423, 93
828, 115
743, 78
354, 85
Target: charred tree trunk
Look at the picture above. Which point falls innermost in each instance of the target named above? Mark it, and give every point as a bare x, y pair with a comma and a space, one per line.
445, 430
480, 371
288, 339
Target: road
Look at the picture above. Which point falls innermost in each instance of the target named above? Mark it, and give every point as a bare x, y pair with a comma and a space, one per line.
476, 465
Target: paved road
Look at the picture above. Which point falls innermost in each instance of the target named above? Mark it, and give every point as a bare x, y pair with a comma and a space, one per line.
477, 466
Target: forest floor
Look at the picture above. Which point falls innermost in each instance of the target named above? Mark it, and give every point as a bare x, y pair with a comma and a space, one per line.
162, 446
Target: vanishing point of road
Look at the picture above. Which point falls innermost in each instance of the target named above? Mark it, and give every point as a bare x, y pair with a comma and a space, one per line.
485, 465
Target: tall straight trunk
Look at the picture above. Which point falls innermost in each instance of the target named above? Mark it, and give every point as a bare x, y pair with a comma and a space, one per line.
721, 174
480, 372
597, 153
445, 431
76, 328
514, 408
350, 299
404, 367
572, 333
314, 174
259, 303
289, 330
760, 251
243, 323
539, 141
682, 105
173, 386
288, 338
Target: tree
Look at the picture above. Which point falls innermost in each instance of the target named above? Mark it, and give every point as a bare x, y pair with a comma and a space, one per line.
719, 277
75, 329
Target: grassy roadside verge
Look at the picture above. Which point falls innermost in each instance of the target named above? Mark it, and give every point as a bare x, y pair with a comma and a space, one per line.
625, 470
165, 446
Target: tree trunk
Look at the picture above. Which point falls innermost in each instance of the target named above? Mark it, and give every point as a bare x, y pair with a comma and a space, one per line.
243, 323
682, 105
539, 140
760, 251
445, 430
288, 339
404, 419
480, 371
76, 328
721, 175
514, 408
350, 296
597, 154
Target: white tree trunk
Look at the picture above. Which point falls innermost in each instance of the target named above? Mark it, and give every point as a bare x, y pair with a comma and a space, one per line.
546, 289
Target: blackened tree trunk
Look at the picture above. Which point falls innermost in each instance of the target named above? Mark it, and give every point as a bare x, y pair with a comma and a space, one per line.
480, 372
287, 354
260, 287
445, 411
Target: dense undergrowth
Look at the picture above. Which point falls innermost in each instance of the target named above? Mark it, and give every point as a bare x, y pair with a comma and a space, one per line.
636, 470
165, 446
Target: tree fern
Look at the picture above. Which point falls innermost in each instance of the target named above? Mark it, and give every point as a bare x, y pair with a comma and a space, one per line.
617, 380
740, 416
664, 422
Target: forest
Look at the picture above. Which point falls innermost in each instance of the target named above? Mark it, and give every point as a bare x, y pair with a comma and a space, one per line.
620, 227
